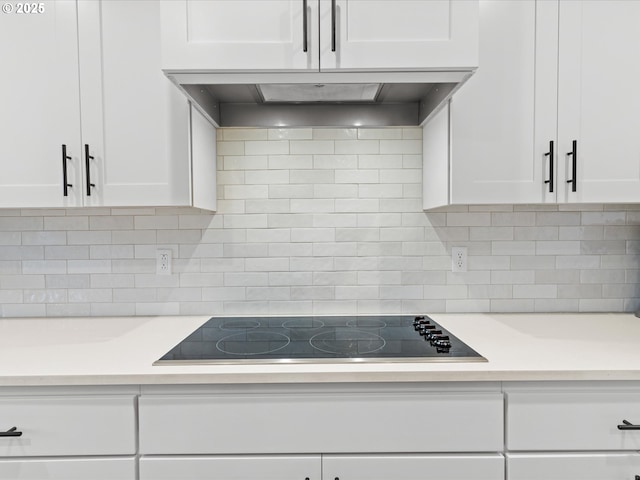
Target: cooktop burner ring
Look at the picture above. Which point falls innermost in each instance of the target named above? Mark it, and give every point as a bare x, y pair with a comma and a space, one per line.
301, 324
259, 338
368, 337
366, 323
239, 324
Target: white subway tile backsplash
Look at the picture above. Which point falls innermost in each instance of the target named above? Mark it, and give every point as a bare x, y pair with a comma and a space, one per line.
358, 205
312, 147
409, 146
111, 222
323, 162
62, 223
66, 252
229, 134
290, 134
290, 162
33, 238
89, 238
357, 146
319, 221
335, 133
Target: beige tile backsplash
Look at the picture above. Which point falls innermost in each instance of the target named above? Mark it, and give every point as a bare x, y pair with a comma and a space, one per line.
323, 221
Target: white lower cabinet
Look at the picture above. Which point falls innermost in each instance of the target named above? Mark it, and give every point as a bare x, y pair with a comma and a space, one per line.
67, 434
573, 431
69, 469
574, 466
243, 467
321, 433
413, 467
259, 422
324, 467
572, 420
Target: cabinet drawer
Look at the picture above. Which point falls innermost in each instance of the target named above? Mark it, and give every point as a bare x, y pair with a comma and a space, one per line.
69, 469
327, 423
573, 466
414, 467
584, 420
280, 467
69, 425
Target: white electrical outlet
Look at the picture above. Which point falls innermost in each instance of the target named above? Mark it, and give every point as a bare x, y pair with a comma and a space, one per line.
163, 262
459, 259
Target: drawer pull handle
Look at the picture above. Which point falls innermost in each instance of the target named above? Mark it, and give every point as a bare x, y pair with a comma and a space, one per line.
12, 432
628, 426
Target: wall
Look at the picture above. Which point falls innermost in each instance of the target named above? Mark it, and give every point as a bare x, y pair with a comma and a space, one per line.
319, 221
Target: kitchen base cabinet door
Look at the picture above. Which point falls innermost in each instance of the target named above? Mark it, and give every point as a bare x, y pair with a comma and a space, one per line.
69, 469
320, 422
68, 425
231, 467
573, 467
572, 420
413, 467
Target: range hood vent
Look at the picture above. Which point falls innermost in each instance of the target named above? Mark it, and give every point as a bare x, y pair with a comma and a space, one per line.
328, 99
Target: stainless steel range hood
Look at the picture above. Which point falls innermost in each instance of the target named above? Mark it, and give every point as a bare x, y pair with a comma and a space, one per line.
327, 99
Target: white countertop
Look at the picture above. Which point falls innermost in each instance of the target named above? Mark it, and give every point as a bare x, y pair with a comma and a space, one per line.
121, 351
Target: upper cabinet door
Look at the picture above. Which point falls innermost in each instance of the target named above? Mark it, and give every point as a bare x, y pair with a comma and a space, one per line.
599, 101
134, 121
240, 35
503, 120
40, 106
398, 34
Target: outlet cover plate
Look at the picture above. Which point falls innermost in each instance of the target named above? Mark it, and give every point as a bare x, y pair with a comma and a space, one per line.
163, 262
459, 259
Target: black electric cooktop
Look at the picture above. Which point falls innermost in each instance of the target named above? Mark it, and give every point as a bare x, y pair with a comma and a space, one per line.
319, 339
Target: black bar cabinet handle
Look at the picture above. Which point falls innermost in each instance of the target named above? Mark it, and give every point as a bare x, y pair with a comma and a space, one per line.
333, 25
12, 432
574, 155
88, 157
305, 34
628, 426
65, 185
550, 155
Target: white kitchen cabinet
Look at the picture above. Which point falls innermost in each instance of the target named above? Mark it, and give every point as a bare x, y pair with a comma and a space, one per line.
355, 431
243, 467
68, 425
599, 101
258, 35
323, 422
400, 34
69, 469
325, 467
203, 161
413, 467
134, 120
570, 431
67, 434
505, 116
238, 35
539, 87
572, 420
40, 107
87, 80
572, 466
